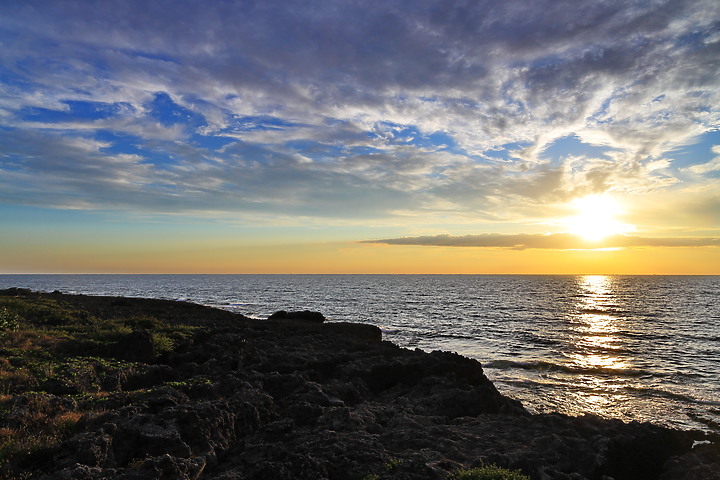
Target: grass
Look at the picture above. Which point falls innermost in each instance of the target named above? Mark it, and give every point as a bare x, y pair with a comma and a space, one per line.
42, 311
35, 323
56, 368
33, 424
487, 472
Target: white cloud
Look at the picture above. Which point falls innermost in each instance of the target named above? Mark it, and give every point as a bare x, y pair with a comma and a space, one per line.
502, 76
711, 166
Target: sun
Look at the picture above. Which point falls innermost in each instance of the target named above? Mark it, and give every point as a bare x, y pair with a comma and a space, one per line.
596, 217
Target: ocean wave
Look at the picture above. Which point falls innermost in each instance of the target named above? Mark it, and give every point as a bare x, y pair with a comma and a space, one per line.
598, 311
390, 331
648, 391
546, 366
454, 336
615, 312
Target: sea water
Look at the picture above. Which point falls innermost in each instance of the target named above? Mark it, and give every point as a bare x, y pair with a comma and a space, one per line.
641, 348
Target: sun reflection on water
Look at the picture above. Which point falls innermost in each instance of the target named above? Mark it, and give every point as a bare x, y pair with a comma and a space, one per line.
596, 324
596, 351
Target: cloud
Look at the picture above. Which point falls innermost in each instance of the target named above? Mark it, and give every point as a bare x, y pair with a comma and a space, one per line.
557, 241
422, 106
79, 173
708, 167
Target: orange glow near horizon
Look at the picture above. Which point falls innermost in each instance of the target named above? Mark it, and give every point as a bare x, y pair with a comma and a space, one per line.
350, 257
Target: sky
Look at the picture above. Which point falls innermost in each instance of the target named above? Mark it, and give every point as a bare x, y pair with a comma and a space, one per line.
403, 136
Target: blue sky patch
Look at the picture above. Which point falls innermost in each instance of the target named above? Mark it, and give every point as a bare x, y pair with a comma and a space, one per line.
572, 146
696, 153
169, 113
76, 111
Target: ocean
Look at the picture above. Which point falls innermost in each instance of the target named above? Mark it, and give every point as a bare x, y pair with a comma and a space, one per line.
643, 348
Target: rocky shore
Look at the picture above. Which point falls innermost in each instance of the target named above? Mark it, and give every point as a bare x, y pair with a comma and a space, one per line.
291, 397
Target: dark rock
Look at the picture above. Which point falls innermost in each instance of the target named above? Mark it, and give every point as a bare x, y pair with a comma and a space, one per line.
282, 385
167, 467
15, 292
303, 316
699, 464
89, 448
296, 398
635, 453
134, 347
356, 330
77, 472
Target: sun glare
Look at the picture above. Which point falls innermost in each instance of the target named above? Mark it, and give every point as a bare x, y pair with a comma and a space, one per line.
596, 218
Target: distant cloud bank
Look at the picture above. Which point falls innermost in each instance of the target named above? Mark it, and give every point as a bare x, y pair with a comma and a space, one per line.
558, 241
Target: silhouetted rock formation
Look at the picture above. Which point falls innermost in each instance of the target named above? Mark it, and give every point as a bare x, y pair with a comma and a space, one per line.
281, 399
304, 316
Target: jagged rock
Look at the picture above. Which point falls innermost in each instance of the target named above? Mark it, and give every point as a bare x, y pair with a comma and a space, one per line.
356, 330
93, 449
166, 467
303, 316
78, 472
288, 399
699, 464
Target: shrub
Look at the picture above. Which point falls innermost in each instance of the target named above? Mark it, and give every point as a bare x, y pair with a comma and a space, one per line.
488, 472
144, 323
108, 332
9, 321
162, 343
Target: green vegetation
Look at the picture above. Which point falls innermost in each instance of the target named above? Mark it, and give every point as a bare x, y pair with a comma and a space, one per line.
43, 311
393, 464
162, 343
39, 323
487, 472
9, 321
57, 367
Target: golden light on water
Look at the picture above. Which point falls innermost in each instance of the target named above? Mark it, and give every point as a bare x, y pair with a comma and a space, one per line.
596, 325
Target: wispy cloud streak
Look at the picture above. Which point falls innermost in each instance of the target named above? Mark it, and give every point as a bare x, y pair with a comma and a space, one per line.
557, 241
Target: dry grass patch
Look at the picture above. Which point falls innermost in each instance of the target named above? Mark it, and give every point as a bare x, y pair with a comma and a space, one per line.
33, 425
